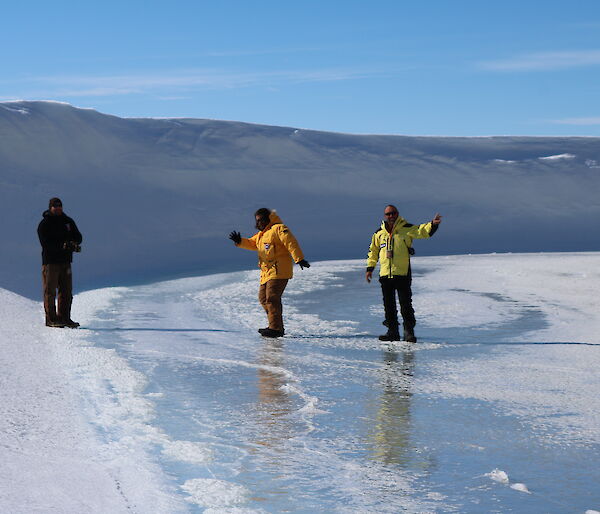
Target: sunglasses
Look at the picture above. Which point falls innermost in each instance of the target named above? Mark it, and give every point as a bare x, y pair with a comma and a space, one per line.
393, 213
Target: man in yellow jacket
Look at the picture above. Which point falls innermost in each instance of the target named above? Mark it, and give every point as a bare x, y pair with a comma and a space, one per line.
391, 245
277, 250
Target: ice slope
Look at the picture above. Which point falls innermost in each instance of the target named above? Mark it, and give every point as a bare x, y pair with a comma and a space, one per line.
157, 198
171, 399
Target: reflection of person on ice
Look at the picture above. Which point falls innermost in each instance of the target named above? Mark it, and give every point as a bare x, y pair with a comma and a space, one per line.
391, 245
277, 251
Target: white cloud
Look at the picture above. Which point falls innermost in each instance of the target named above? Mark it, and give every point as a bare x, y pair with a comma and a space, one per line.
592, 120
545, 61
173, 83
262, 51
97, 91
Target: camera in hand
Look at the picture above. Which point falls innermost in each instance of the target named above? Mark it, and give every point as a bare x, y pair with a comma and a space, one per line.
72, 246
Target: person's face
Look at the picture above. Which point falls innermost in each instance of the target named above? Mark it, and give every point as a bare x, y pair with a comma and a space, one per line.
56, 209
261, 222
390, 215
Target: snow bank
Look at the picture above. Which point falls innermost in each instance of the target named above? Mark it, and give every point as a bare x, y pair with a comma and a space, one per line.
209, 176
23, 110
53, 460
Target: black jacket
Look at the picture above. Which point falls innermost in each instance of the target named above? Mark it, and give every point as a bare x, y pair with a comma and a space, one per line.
54, 232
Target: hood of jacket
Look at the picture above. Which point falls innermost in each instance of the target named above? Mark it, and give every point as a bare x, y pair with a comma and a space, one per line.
274, 219
48, 214
400, 222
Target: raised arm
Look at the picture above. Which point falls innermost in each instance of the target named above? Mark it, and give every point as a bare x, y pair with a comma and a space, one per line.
425, 230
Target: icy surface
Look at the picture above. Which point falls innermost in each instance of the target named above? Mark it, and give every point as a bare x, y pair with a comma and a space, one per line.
167, 399
520, 487
209, 492
498, 476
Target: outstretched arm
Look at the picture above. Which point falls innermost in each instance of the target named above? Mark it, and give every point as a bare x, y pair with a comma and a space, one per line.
243, 242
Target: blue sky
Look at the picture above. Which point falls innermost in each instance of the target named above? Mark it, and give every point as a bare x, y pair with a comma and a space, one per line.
388, 67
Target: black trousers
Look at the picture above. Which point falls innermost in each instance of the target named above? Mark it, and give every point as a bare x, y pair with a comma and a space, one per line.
390, 287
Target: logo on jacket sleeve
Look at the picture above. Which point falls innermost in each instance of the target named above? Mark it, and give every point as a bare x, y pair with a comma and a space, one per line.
267, 246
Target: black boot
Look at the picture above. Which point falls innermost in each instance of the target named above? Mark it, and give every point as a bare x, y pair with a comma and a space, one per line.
55, 324
390, 336
71, 324
409, 335
269, 332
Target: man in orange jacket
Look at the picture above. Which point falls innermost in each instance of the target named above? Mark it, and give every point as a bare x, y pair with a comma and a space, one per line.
277, 250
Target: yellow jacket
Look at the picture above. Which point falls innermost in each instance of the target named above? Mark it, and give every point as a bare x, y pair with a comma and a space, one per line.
398, 241
276, 247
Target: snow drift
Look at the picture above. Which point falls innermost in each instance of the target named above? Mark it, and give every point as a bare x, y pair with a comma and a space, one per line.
157, 197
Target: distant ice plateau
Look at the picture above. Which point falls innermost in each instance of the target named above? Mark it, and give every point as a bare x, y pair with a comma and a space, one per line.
156, 198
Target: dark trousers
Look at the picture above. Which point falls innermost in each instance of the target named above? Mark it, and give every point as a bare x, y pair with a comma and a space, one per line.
269, 296
390, 287
57, 278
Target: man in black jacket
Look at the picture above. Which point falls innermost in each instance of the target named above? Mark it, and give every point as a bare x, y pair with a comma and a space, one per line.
59, 237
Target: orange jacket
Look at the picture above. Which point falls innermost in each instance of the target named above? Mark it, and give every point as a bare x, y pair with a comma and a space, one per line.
276, 247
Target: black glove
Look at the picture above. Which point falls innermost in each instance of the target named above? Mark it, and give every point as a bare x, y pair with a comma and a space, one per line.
304, 264
236, 237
